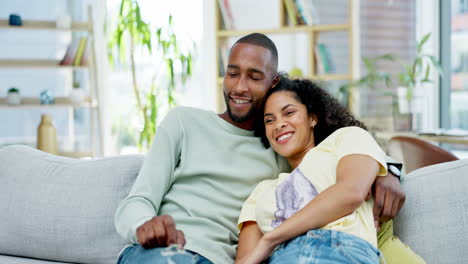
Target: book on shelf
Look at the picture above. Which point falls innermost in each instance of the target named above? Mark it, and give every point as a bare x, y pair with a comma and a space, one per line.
69, 56
291, 12
86, 55
226, 14
307, 11
324, 59
80, 51
76, 53
222, 59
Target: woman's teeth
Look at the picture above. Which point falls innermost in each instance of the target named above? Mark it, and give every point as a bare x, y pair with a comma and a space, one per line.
283, 137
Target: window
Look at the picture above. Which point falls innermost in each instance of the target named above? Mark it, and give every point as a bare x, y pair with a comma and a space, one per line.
463, 7
454, 54
188, 24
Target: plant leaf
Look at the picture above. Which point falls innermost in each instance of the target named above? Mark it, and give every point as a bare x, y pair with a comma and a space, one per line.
423, 41
436, 64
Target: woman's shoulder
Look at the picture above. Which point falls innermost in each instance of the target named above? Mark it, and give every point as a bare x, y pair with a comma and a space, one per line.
349, 132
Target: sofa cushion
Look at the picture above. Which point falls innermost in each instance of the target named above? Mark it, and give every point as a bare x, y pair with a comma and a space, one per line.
434, 219
21, 260
62, 209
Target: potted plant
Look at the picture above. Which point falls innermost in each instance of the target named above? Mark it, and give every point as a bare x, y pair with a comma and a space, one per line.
416, 73
77, 95
13, 96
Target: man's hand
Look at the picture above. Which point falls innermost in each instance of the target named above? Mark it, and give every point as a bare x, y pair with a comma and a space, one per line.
160, 231
388, 198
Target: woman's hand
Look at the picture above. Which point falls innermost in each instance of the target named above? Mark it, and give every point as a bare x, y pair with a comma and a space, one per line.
261, 252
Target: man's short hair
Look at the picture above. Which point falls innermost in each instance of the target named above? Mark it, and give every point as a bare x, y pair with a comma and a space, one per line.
263, 41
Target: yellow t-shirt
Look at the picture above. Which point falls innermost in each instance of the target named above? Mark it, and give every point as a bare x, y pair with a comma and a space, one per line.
273, 201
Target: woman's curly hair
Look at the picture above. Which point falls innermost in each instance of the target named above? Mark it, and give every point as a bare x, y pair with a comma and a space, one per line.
330, 113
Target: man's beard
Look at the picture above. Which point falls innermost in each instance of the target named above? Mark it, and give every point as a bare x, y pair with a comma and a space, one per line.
239, 119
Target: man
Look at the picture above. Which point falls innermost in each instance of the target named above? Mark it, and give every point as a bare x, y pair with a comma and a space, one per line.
203, 166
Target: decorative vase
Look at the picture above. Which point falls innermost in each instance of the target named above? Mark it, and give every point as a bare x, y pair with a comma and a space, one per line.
63, 22
77, 96
15, 20
403, 102
13, 98
47, 135
46, 97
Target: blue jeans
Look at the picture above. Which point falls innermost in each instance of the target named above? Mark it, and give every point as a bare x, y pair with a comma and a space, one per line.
136, 254
325, 246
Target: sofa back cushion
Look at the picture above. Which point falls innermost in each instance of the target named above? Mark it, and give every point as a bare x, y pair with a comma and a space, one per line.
434, 219
62, 209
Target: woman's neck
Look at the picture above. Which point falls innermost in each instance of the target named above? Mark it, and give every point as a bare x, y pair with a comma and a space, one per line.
295, 160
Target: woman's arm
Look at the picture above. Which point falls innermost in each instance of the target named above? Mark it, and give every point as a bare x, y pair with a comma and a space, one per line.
354, 177
249, 237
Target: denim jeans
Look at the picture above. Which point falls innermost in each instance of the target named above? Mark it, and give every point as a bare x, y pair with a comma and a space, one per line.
325, 246
136, 254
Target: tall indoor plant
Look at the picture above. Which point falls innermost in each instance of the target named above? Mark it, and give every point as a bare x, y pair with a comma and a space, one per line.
414, 73
418, 71
131, 34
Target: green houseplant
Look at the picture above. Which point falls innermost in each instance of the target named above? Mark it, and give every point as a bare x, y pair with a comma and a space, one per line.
131, 34
414, 73
418, 71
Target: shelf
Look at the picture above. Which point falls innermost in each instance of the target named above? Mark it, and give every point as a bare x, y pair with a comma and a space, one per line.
31, 102
331, 77
44, 25
283, 30
322, 77
46, 64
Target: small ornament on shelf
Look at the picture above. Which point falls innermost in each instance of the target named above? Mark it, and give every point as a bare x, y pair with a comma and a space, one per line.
13, 96
15, 20
77, 95
63, 21
47, 135
46, 97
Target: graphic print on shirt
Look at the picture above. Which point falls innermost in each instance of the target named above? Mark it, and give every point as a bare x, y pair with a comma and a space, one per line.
291, 195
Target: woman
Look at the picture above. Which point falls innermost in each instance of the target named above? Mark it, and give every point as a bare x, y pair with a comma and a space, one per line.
318, 212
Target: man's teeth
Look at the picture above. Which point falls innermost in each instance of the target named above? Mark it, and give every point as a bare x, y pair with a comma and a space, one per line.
283, 137
239, 101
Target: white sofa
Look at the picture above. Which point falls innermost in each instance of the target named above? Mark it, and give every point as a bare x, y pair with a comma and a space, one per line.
60, 210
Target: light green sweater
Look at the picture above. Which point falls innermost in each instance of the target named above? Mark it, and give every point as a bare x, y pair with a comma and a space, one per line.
200, 170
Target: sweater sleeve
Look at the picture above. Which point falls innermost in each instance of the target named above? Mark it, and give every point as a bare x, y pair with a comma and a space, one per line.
153, 180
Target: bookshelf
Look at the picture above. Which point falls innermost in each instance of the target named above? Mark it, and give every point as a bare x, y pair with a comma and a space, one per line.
44, 25
90, 101
312, 31
45, 64
32, 102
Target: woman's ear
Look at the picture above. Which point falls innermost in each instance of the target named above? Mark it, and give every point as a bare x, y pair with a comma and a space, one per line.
313, 120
